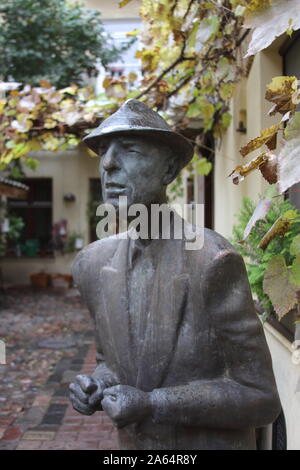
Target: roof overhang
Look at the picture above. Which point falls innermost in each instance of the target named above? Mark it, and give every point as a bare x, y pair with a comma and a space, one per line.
13, 189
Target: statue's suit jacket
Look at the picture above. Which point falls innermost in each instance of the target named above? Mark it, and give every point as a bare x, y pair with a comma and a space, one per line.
205, 358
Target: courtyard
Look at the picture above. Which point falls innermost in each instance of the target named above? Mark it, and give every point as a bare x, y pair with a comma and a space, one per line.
49, 339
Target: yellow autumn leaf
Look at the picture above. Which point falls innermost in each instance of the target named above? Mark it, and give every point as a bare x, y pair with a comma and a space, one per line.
34, 145
226, 90
267, 136
107, 81
123, 3
279, 228
21, 149
132, 77
6, 157
2, 105
281, 91
91, 153
50, 123
132, 33
240, 171
258, 5
70, 90
45, 84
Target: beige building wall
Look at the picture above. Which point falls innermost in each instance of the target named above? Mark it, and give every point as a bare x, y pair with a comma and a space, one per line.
70, 172
249, 96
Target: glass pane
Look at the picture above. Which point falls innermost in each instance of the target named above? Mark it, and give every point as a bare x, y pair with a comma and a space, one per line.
95, 198
36, 213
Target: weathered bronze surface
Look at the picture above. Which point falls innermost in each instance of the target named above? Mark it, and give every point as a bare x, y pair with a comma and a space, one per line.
182, 358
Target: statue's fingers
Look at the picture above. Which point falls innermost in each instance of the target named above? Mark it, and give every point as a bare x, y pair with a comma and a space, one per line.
96, 398
80, 407
88, 384
110, 408
79, 394
112, 392
84, 381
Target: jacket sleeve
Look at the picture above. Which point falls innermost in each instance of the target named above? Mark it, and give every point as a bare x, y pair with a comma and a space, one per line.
80, 272
245, 395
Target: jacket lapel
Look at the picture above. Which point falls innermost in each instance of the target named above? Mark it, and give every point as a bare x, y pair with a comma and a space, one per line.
165, 317
113, 278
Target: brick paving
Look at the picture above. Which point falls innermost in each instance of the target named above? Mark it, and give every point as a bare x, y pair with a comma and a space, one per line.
35, 411
61, 427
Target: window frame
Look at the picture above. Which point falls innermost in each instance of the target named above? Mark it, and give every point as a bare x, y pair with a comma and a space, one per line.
30, 205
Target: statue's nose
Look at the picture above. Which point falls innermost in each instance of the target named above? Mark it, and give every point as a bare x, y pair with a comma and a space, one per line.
110, 159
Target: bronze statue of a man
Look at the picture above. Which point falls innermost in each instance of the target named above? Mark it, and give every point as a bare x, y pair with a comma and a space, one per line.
182, 358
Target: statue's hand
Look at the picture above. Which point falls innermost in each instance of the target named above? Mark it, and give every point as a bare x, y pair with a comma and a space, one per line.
125, 404
86, 394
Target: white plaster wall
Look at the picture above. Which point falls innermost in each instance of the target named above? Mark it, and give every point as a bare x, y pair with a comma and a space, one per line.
228, 197
288, 382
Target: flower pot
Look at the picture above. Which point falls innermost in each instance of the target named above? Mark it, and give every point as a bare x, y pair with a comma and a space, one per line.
39, 280
61, 280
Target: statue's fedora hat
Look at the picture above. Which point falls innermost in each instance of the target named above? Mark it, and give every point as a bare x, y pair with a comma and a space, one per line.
135, 117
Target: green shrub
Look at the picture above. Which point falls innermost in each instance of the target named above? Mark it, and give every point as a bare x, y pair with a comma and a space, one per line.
255, 258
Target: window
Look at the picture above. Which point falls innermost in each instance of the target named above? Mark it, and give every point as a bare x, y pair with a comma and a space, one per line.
118, 29
95, 198
36, 213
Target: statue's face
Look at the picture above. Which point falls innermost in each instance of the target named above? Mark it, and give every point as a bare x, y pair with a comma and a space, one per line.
134, 166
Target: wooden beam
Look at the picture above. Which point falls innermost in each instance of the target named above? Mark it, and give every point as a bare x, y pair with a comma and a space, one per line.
13, 192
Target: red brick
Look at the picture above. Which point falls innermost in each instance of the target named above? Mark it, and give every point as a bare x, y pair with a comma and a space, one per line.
71, 427
29, 445
61, 400
71, 412
41, 400
72, 420
6, 421
74, 445
52, 445
87, 445
92, 428
12, 433
91, 436
107, 427
108, 445
65, 436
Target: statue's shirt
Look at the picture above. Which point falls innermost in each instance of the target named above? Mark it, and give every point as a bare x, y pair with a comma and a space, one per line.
142, 260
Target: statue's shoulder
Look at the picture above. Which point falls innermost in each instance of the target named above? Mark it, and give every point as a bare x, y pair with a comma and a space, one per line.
214, 242
95, 254
214, 247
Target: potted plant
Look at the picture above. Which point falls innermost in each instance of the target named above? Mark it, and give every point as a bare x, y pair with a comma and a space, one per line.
74, 242
273, 265
39, 280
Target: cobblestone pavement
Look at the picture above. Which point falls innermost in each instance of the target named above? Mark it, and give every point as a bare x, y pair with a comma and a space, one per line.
49, 340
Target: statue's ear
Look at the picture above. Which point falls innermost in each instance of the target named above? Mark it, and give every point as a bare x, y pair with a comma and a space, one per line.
172, 170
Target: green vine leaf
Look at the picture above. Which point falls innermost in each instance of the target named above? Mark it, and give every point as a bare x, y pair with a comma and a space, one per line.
295, 245
280, 227
295, 271
203, 166
277, 285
